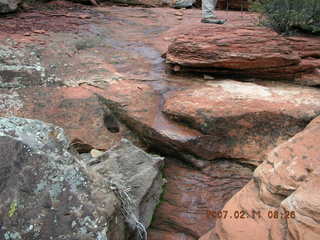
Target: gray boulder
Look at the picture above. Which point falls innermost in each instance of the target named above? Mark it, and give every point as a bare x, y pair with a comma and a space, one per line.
49, 192
7, 6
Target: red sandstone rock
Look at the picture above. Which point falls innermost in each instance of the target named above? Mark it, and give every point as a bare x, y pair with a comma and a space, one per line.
75, 109
244, 120
247, 51
289, 165
231, 48
190, 194
304, 202
139, 106
286, 183
305, 46
228, 119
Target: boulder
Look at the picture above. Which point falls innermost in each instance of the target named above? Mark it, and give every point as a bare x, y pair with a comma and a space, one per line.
243, 51
49, 192
244, 120
283, 191
7, 6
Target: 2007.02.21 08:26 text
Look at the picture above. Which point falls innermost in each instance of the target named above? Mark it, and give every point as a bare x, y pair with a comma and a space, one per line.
272, 214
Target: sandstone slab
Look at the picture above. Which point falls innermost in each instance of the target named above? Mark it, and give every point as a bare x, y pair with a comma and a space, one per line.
138, 106
247, 51
244, 120
86, 121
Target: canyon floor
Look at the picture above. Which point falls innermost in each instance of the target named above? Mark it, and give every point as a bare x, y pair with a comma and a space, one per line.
100, 73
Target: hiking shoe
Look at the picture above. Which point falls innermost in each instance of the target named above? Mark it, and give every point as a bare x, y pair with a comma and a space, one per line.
213, 20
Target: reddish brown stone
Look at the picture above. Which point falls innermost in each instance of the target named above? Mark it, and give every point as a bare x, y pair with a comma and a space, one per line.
139, 106
247, 51
190, 194
304, 204
289, 165
231, 48
75, 109
287, 184
244, 120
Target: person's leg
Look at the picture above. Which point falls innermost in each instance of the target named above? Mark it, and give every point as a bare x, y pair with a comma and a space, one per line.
208, 7
208, 15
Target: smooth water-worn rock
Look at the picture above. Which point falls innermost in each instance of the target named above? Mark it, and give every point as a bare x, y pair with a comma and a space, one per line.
284, 191
7, 6
49, 193
247, 51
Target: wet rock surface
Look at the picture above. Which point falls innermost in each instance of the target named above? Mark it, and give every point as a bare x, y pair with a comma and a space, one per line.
283, 184
49, 193
78, 111
248, 51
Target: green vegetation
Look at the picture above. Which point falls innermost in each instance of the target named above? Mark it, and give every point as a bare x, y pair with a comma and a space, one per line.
286, 16
13, 208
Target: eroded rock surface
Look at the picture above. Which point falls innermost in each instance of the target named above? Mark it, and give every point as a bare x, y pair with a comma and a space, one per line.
190, 194
227, 119
285, 184
49, 193
244, 120
138, 105
248, 51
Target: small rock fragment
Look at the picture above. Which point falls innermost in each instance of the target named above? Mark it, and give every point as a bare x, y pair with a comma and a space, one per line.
208, 77
96, 153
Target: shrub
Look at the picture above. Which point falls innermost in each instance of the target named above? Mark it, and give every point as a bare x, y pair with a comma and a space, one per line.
284, 16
